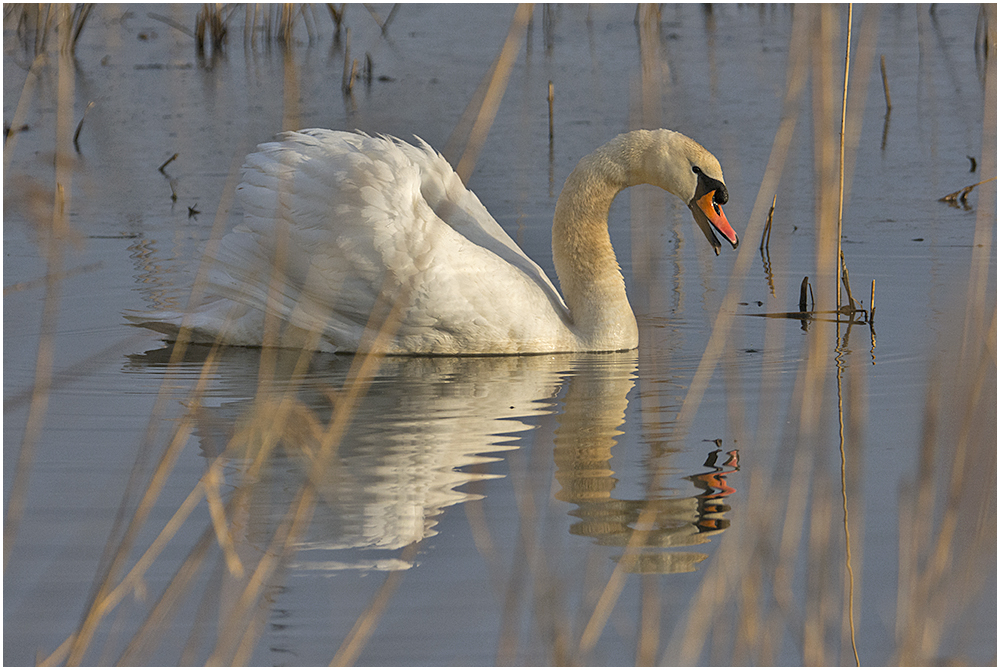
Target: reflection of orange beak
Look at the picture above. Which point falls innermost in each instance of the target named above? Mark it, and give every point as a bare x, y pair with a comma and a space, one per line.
713, 212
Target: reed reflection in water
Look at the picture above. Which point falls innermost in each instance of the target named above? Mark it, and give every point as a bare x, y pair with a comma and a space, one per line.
428, 428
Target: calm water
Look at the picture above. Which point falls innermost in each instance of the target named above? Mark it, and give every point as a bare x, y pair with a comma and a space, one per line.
488, 501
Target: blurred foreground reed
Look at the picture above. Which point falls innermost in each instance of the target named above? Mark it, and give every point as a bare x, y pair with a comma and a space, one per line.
771, 591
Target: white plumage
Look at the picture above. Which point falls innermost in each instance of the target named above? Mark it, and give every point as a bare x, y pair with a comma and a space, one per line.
338, 222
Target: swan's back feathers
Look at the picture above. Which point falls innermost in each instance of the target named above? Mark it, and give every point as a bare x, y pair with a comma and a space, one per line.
334, 219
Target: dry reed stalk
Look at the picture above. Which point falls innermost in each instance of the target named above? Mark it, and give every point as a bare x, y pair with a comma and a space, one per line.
979, 268
947, 528
647, 207
765, 238
551, 99
241, 625
494, 92
57, 233
363, 628
840, 180
529, 566
861, 67
101, 604
816, 623
755, 224
117, 551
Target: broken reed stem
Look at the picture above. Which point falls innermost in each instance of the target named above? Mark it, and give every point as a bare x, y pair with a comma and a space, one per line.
962, 193
885, 88
765, 239
847, 282
551, 101
843, 125
168, 162
871, 305
79, 127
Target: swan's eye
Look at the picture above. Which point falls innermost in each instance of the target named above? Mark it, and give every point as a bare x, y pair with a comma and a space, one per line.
696, 169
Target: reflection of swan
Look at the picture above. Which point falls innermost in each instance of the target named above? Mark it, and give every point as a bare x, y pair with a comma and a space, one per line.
426, 430
427, 427
588, 429
334, 221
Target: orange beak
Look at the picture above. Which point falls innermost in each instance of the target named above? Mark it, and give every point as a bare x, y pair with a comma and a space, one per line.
714, 215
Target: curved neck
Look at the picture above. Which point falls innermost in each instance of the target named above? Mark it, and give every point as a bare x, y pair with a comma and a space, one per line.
589, 275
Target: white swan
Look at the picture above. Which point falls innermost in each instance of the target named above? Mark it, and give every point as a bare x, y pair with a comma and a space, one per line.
334, 220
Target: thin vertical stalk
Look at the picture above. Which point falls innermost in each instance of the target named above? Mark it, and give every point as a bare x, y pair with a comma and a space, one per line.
843, 123
494, 94
54, 240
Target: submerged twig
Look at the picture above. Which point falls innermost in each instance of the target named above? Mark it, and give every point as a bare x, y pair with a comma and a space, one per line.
962, 193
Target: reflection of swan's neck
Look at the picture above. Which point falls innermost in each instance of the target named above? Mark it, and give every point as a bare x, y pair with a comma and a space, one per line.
589, 275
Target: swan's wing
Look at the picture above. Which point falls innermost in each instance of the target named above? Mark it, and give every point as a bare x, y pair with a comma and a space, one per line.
459, 207
333, 219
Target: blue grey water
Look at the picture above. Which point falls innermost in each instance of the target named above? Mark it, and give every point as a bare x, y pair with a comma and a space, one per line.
519, 479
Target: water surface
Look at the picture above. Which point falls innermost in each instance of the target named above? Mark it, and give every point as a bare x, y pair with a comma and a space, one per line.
480, 510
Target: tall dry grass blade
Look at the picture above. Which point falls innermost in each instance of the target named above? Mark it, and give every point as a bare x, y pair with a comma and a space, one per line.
365, 624
56, 235
100, 604
843, 125
494, 93
986, 208
862, 63
125, 529
772, 174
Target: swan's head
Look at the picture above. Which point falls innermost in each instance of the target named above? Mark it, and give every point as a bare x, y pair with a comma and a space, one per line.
680, 165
